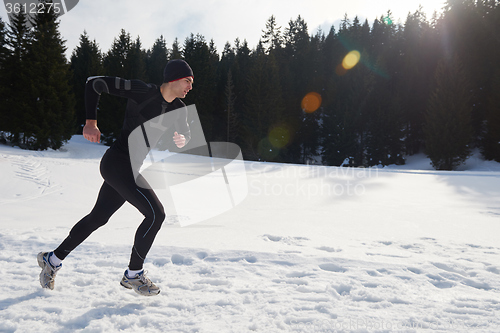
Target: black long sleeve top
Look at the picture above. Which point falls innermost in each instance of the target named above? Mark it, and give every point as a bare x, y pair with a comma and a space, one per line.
145, 102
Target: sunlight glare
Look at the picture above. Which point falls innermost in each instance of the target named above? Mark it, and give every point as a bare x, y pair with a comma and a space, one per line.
351, 59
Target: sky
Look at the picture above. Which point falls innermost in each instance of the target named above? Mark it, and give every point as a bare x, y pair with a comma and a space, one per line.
218, 20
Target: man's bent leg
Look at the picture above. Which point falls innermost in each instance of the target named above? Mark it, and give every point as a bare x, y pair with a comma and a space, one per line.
154, 215
108, 202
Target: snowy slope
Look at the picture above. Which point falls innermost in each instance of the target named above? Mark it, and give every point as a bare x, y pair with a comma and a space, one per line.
311, 249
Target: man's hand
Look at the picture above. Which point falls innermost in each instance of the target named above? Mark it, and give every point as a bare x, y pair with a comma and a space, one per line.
179, 140
91, 132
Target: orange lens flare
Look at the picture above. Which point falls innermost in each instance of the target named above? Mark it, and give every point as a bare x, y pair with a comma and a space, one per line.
311, 102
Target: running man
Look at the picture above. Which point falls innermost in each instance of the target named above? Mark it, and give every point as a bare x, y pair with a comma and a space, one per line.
145, 102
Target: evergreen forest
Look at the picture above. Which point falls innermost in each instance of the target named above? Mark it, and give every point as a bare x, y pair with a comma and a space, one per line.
357, 95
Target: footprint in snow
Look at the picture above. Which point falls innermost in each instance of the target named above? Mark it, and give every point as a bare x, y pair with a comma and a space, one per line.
493, 269
332, 268
249, 259
440, 282
178, 259
285, 239
458, 275
373, 273
201, 255
329, 249
343, 289
175, 219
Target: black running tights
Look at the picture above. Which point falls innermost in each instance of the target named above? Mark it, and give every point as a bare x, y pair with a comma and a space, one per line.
119, 186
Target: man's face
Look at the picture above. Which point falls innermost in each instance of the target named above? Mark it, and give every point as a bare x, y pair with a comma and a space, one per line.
183, 86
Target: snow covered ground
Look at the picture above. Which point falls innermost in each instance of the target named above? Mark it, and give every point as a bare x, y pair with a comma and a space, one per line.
310, 249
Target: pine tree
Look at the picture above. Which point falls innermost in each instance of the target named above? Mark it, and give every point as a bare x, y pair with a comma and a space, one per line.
271, 38
238, 61
232, 122
448, 129
116, 58
3, 45
384, 137
3, 40
491, 141
340, 139
111, 110
52, 120
223, 67
311, 118
3, 84
468, 27
254, 118
299, 74
135, 62
17, 77
418, 62
382, 111
176, 52
219, 127
199, 56
86, 61
240, 72
347, 112
264, 111
329, 130
156, 60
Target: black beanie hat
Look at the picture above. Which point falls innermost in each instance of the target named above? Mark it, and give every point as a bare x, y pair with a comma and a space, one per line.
176, 69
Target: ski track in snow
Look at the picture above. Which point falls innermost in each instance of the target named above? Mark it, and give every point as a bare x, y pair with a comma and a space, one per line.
298, 284
36, 172
31, 169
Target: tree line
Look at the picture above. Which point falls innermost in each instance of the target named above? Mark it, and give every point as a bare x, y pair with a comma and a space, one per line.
356, 95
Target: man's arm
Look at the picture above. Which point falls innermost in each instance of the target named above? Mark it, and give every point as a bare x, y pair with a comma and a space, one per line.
116, 86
